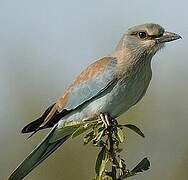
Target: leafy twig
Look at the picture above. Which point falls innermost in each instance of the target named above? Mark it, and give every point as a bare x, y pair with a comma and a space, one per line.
107, 134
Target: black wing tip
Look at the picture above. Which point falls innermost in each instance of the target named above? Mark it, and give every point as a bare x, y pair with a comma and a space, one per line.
32, 127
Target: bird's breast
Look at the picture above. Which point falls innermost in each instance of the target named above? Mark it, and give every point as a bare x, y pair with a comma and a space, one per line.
128, 91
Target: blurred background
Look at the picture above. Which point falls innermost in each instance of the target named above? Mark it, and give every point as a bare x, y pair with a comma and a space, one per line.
44, 44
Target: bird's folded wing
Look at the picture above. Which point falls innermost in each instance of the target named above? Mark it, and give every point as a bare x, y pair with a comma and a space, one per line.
94, 80
90, 83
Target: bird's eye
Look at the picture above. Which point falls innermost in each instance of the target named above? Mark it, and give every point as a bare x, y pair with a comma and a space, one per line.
142, 35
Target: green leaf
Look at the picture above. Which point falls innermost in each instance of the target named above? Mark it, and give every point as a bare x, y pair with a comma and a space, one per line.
119, 134
99, 134
134, 128
98, 128
73, 123
118, 150
122, 164
107, 178
65, 131
101, 162
99, 143
81, 130
89, 137
142, 166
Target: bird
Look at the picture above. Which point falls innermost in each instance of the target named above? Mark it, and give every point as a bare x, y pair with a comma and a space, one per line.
110, 85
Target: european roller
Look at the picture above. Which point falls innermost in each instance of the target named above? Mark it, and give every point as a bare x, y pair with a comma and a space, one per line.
111, 85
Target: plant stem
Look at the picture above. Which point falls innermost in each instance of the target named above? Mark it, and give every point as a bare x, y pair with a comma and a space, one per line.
112, 152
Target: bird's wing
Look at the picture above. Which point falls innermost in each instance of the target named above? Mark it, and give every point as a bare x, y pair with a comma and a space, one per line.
90, 83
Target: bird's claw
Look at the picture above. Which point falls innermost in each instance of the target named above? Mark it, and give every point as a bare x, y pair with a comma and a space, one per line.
105, 118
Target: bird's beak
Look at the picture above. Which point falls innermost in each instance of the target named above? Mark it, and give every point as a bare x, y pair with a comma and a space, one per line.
167, 37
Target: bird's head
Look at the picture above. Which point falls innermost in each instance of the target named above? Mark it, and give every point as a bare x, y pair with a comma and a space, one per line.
147, 38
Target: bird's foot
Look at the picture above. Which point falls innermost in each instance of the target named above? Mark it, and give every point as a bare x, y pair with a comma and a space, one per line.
104, 119
107, 119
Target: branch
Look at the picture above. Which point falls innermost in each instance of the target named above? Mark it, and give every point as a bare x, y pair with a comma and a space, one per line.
112, 151
106, 134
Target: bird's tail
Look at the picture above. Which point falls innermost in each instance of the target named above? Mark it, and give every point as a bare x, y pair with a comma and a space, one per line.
39, 154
